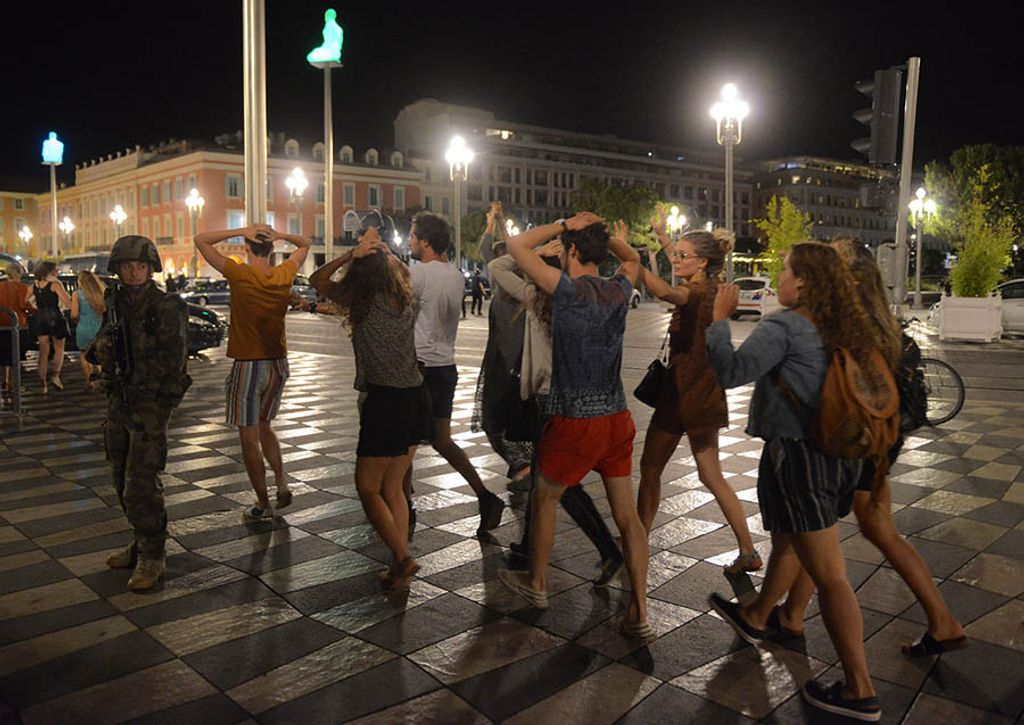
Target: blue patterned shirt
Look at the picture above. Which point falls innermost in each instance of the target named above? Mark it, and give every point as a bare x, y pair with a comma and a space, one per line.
588, 319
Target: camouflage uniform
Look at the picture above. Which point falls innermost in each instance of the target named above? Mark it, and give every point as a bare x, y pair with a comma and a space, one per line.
135, 432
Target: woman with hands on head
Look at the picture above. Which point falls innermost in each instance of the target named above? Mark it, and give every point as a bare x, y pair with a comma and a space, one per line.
374, 299
691, 402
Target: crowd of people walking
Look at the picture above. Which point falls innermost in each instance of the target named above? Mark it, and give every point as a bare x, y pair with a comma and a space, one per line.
549, 399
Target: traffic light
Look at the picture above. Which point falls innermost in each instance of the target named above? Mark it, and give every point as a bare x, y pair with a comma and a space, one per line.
883, 118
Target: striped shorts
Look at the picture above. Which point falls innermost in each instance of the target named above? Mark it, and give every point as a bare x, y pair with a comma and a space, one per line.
800, 489
253, 390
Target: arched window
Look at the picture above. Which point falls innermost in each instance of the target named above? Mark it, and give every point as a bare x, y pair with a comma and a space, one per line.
318, 151
291, 148
345, 155
397, 161
372, 157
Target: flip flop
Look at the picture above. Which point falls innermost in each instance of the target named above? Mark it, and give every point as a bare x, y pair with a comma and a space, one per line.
929, 646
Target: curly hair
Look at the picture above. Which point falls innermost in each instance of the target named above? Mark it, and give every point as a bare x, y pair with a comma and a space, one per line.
433, 230
829, 294
591, 242
869, 283
376, 275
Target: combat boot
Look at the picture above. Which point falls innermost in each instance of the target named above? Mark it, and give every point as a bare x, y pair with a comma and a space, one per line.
124, 559
147, 573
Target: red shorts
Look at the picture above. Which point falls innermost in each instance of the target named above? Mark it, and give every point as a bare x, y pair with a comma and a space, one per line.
573, 447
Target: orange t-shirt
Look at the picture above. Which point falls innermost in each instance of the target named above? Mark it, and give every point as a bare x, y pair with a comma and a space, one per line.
12, 296
258, 305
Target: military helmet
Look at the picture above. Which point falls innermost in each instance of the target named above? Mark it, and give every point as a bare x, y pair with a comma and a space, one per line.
133, 248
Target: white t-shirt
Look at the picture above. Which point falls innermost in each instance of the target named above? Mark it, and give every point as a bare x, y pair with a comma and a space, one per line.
438, 288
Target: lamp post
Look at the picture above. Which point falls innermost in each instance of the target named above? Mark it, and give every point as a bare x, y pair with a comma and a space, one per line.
53, 156
25, 235
729, 114
195, 204
118, 216
67, 226
459, 157
297, 183
511, 228
326, 57
921, 208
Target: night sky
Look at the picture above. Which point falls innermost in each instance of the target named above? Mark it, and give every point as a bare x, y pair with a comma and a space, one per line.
108, 75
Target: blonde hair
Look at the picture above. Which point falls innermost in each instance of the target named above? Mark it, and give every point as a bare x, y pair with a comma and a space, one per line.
712, 246
91, 286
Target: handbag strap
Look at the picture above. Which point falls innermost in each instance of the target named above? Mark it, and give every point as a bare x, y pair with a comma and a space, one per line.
663, 354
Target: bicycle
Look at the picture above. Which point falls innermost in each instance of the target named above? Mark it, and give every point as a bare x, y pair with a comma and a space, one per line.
945, 386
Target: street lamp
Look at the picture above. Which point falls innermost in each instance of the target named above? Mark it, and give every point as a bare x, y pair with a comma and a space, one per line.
195, 204
921, 208
729, 114
297, 184
511, 228
459, 157
118, 216
676, 222
25, 235
67, 226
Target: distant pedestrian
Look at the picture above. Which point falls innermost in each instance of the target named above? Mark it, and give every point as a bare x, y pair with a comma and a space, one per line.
14, 296
476, 285
256, 342
49, 298
87, 311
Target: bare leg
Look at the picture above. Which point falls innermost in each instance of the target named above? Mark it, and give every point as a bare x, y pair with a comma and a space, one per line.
634, 542
546, 495
783, 571
58, 356
709, 469
876, 524
378, 481
272, 452
253, 458
44, 357
86, 371
820, 554
456, 457
659, 446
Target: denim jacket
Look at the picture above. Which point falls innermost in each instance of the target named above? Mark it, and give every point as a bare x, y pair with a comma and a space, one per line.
787, 342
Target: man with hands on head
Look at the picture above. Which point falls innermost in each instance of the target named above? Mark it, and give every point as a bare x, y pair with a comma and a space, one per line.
256, 341
590, 426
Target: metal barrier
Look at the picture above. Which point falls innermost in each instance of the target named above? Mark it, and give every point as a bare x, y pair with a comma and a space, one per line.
10, 327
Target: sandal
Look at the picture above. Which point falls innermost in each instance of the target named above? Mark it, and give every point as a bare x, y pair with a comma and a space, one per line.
638, 630
399, 574
745, 562
928, 646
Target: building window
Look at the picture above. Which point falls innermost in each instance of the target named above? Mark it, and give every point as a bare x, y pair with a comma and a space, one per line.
19, 204
291, 148
540, 178
350, 194
318, 151
191, 182
270, 187
474, 192
428, 203
181, 225
372, 157
144, 196
179, 189
320, 227
399, 198
145, 227
294, 224
165, 193
233, 186
319, 194
155, 196
373, 191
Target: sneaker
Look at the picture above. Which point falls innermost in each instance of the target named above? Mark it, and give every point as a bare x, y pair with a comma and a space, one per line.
490, 512
519, 582
284, 497
830, 699
515, 562
730, 612
124, 559
258, 514
147, 573
609, 568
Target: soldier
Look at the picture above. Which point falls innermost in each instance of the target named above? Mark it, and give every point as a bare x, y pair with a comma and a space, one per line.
142, 349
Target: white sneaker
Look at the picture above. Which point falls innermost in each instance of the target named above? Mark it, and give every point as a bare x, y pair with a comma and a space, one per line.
255, 513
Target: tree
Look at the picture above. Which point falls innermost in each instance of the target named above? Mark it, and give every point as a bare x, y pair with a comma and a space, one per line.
953, 187
473, 226
784, 225
984, 239
635, 205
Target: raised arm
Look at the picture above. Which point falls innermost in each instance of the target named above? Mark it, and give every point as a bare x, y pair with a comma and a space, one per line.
762, 351
523, 250
369, 243
297, 257
662, 289
206, 240
619, 246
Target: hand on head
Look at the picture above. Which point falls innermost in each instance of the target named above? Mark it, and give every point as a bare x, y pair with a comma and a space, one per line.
582, 220
620, 231
260, 233
551, 249
726, 300
369, 243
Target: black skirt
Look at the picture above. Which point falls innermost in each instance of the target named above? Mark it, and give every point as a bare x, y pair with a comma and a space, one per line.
393, 419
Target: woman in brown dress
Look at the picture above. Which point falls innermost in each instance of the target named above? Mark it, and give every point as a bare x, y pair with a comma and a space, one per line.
690, 401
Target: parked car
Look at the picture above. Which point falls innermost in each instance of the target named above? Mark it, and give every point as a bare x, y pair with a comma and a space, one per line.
206, 327
756, 296
205, 292
304, 289
1012, 293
